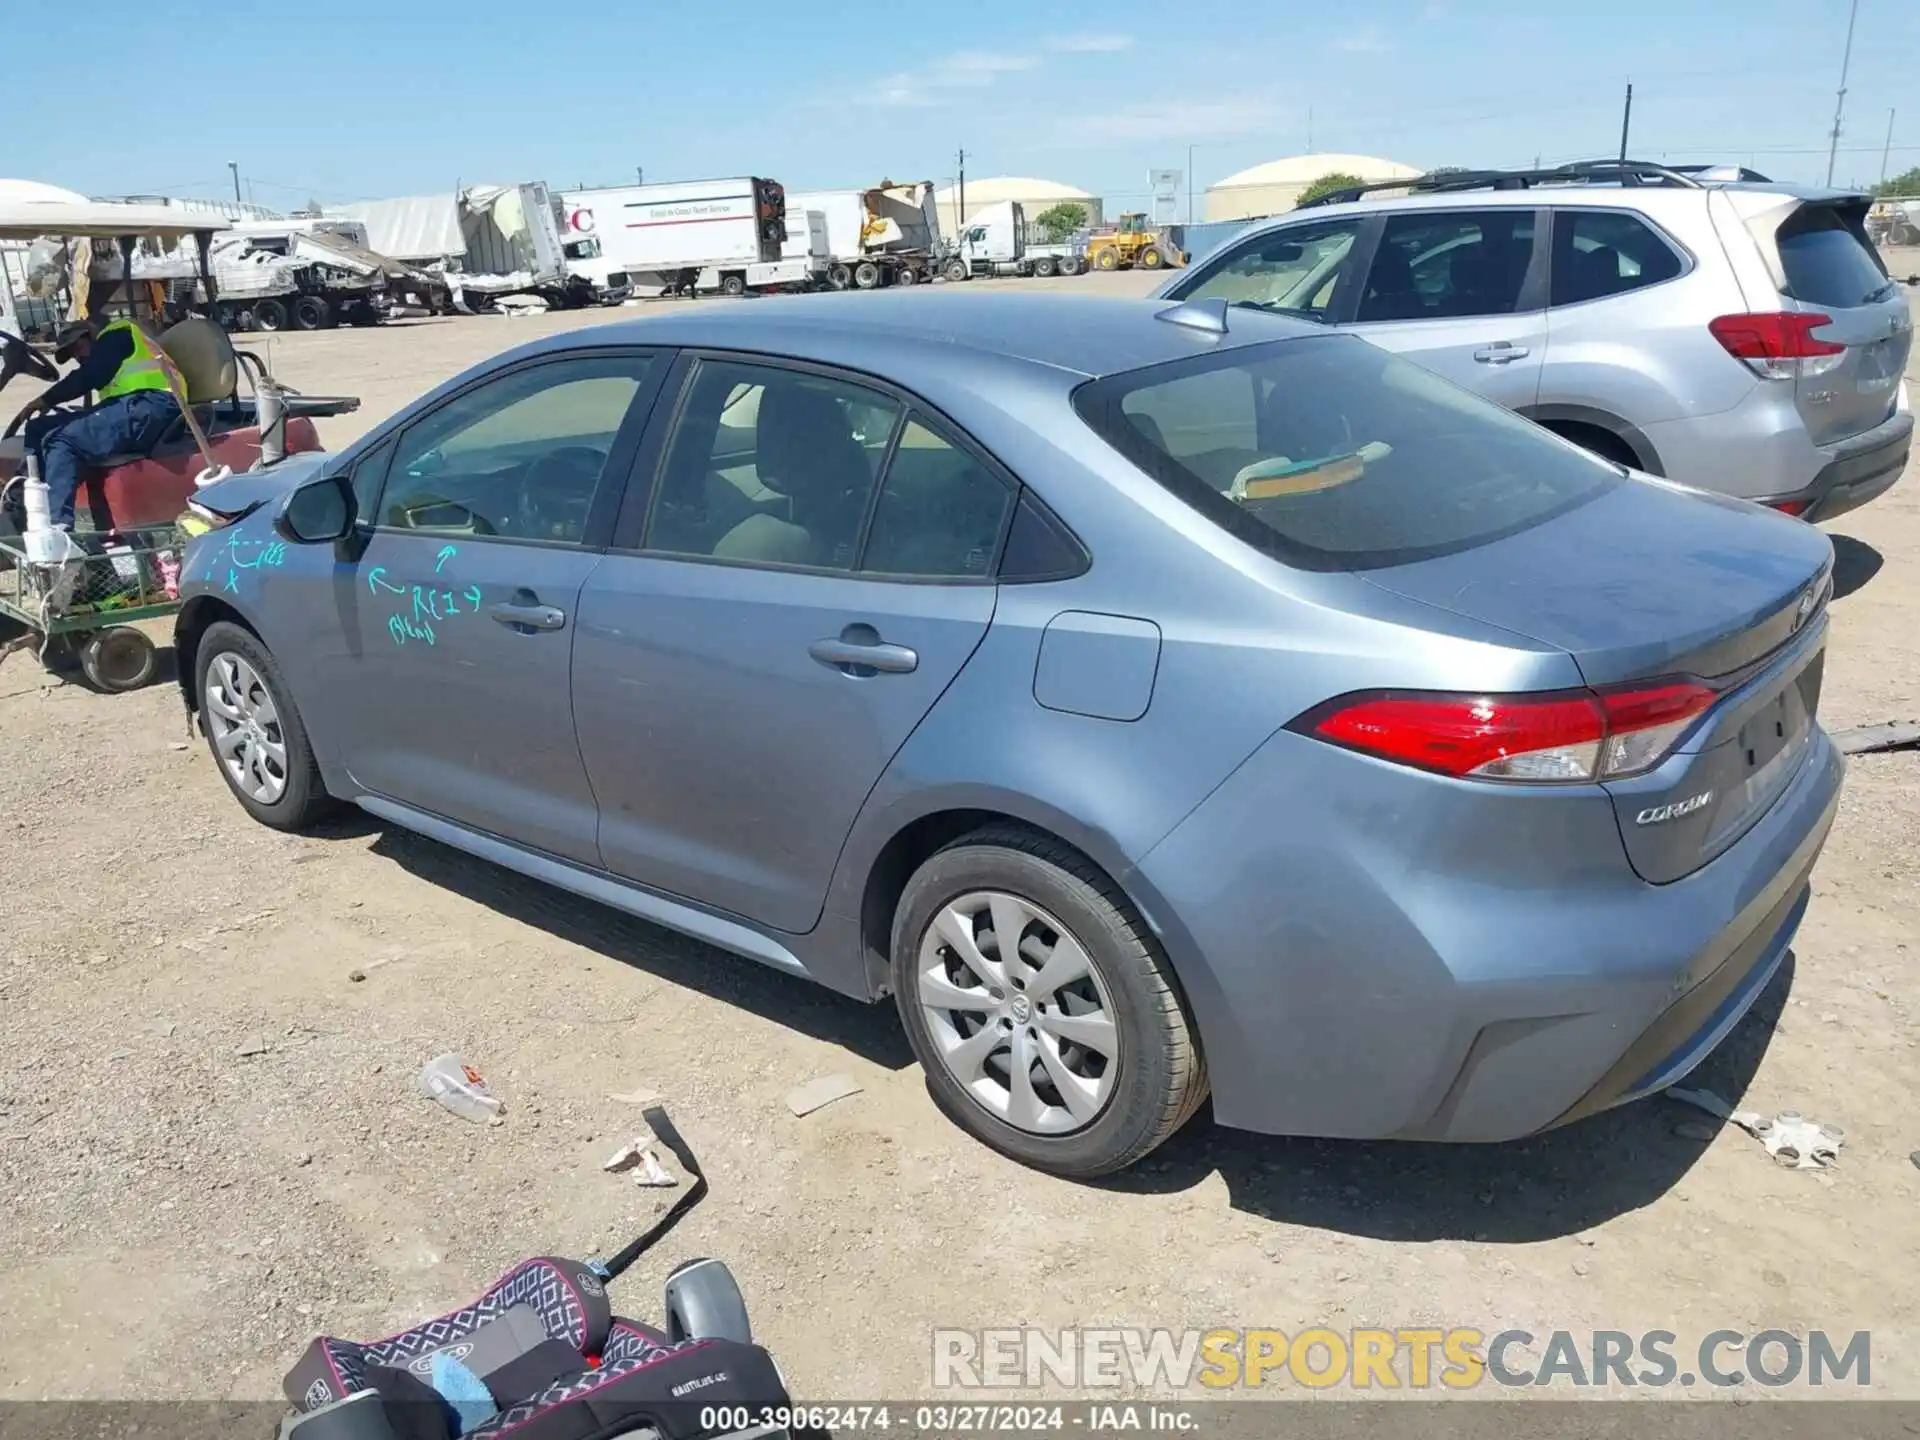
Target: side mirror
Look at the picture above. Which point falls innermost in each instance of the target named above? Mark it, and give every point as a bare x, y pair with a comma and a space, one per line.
319, 512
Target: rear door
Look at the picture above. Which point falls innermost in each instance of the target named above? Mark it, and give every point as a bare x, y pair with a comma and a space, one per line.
1462, 292
814, 568
1830, 266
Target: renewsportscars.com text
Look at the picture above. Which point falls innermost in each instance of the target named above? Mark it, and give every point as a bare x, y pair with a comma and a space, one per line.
1458, 1358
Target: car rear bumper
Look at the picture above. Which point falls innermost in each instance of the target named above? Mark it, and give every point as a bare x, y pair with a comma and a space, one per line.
1760, 451
1853, 478
1387, 972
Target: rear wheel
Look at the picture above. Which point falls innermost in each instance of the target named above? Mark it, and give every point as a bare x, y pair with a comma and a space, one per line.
1044, 267
906, 275
1070, 265
839, 277
733, 284
254, 731
117, 660
1041, 1007
269, 314
868, 276
311, 312
1603, 443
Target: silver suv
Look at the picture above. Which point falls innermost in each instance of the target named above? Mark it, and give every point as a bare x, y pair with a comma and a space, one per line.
1740, 336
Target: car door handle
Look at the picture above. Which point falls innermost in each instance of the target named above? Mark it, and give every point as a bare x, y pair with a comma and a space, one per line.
1500, 353
860, 656
529, 617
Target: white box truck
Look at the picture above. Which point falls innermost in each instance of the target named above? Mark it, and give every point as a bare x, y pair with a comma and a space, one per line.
667, 235
886, 235
802, 264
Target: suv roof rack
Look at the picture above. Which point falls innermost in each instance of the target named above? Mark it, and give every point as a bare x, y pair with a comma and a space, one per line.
1579, 172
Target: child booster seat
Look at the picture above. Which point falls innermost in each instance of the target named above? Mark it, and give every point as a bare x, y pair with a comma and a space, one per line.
541, 1356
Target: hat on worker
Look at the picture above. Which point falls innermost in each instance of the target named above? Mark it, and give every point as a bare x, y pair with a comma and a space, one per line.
70, 335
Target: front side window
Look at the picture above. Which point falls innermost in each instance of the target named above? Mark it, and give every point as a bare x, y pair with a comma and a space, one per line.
1331, 454
1597, 253
771, 466
1448, 266
1298, 270
520, 457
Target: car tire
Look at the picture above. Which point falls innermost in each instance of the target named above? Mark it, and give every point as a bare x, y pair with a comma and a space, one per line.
1128, 1102
237, 681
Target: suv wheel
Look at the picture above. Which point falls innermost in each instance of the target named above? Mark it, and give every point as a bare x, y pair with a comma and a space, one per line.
1040, 1007
254, 731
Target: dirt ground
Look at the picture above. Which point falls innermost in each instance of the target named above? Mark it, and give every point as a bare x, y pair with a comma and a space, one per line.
209, 1147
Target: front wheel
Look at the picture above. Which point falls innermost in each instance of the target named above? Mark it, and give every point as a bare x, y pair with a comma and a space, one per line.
956, 270
254, 731
1040, 1006
1151, 259
1107, 260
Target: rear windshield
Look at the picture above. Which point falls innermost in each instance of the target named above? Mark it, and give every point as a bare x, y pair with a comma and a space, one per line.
1829, 261
1330, 454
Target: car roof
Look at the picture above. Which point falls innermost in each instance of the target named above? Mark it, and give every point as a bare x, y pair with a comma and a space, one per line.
1651, 198
1084, 335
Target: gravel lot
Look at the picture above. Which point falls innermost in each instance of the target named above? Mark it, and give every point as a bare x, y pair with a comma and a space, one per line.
209, 1148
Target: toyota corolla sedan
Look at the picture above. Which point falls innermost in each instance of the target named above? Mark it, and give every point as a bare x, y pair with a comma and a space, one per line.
1153, 700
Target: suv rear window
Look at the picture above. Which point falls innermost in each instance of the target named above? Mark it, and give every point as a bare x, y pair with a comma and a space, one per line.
1328, 453
1829, 261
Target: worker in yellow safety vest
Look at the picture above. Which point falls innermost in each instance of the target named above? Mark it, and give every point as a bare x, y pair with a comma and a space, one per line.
133, 408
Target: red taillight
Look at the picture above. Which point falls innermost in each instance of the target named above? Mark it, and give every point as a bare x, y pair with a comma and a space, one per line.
1778, 345
1786, 507
1567, 736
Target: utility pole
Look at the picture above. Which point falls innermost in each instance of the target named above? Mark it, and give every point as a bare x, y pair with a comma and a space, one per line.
234, 166
1309, 129
639, 175
1886, 149
1190, 179
960, 209
1626, 123
1840, 100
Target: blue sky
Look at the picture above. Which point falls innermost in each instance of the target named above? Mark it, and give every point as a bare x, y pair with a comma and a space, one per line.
346, 99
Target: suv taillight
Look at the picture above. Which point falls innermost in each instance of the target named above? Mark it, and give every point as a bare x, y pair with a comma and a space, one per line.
1778, 345
1560, 737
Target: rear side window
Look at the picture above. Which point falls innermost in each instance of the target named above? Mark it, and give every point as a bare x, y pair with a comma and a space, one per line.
1829, 261
1597, 253
1449, 266
1331, 454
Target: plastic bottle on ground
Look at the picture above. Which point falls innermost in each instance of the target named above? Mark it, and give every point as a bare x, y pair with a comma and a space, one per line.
459, 1088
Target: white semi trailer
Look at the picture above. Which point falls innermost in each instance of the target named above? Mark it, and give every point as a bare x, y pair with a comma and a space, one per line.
671, 237
886, 235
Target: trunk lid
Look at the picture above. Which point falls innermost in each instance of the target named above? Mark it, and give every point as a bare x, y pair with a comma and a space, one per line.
1652, 580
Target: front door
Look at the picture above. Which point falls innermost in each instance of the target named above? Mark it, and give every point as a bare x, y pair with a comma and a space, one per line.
1463, 293
817, 568
452, 690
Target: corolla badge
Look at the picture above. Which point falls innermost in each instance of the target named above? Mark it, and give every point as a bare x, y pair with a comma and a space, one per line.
1805, 608
1653, 815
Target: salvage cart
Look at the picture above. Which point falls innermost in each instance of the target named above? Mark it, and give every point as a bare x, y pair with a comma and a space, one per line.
123, 563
